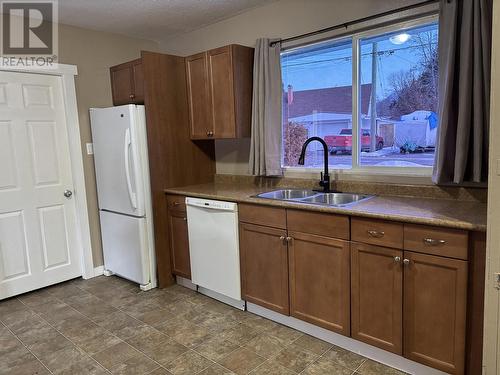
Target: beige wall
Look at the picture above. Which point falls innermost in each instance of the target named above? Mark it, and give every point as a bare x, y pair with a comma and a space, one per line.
279, 19
93, 53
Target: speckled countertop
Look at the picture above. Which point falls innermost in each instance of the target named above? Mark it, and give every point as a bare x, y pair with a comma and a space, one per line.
467, 215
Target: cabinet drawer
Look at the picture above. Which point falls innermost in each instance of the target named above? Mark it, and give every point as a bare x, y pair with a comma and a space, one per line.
377, 232
268, 216
452, 243
327, 225
176, 202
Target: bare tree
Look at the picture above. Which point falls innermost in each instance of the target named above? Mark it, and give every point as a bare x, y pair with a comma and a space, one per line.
417, 88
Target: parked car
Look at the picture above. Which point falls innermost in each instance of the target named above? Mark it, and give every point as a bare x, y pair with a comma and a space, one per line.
343, 141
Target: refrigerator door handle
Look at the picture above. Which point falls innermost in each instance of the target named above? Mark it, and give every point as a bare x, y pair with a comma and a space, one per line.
131, 194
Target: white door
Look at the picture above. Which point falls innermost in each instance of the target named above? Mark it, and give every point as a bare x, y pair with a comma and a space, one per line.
116, 159
38, 244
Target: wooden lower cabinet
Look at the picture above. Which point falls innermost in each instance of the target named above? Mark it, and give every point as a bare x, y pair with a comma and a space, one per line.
435, 299
264, 266
377, 296
179, 243
319, 281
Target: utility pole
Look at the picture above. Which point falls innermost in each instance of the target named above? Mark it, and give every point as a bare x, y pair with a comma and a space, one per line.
373, 100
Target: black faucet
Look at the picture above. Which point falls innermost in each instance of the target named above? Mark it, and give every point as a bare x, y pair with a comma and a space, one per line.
325, 177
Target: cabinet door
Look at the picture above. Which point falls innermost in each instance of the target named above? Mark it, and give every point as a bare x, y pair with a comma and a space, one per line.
121, 83
138, 82
264, 267
435, 290
319, 281
220, 67
200, 117
179, 243
377, 296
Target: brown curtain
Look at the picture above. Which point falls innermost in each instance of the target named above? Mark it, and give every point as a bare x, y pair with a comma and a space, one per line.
464, 91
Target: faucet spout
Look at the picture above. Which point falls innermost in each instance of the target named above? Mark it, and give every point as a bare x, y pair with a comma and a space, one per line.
325, 177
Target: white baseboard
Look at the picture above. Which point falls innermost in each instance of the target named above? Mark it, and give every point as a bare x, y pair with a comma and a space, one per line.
98, 271
379, 355
185, 282
239, 304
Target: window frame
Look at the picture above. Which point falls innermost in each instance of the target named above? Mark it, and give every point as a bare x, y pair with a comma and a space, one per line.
423, 173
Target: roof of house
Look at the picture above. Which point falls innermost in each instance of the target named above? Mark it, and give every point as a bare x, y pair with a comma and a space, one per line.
328, 100
323, 117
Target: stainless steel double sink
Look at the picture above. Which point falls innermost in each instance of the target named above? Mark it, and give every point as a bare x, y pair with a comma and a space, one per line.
314, 197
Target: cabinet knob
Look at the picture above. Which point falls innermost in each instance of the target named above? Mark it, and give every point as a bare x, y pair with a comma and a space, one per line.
406, 262
289, 239
397, 259
376, 233
131, 96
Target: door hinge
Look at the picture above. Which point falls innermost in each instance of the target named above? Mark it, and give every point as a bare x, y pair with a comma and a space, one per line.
496, 278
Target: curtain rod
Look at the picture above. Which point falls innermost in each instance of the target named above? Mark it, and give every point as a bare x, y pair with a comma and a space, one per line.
350, 23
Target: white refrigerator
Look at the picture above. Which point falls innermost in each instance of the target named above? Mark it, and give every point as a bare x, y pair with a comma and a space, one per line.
124, 193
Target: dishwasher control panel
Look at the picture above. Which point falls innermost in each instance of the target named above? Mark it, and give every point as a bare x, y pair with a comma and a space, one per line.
208, 203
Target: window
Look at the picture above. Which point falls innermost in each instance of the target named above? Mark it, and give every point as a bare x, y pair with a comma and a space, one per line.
395, 100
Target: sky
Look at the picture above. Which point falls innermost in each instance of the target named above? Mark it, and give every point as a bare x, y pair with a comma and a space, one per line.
329, 64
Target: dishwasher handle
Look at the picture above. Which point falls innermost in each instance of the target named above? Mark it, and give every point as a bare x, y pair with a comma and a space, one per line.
211, 204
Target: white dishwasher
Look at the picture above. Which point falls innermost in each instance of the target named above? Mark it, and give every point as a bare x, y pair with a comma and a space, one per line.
214, 249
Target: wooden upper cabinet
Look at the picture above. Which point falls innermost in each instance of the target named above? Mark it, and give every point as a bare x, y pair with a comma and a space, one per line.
377, 296
264, 266
220, 92
127, 83
198, 96
319, 281
435, 294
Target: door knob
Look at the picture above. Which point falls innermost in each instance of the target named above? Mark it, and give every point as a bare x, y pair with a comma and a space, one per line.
68, 193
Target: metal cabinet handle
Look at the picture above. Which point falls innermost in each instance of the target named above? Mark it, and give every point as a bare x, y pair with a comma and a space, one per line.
376, 233
176, 203
289, 239
131, 96
283, 240
184, 218
406, 262
433, 242
397, 259
210, 133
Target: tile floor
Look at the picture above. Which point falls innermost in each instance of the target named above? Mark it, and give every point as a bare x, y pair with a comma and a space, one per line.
107, 325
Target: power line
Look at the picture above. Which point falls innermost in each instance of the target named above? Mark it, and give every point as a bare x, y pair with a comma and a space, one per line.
349, 58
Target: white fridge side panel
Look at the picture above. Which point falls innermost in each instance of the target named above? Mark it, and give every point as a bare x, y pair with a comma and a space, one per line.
145, 185
126, 246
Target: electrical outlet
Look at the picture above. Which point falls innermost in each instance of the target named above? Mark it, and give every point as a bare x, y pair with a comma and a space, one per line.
90, 148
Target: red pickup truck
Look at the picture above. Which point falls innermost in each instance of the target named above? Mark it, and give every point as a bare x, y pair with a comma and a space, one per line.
343, 141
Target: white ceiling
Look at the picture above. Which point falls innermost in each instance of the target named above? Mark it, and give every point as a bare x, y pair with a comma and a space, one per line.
150, 19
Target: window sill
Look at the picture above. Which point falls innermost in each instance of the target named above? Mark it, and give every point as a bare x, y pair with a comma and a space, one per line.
407, 176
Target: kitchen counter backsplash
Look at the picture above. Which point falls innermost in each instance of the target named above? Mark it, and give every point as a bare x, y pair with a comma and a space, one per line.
364, 187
